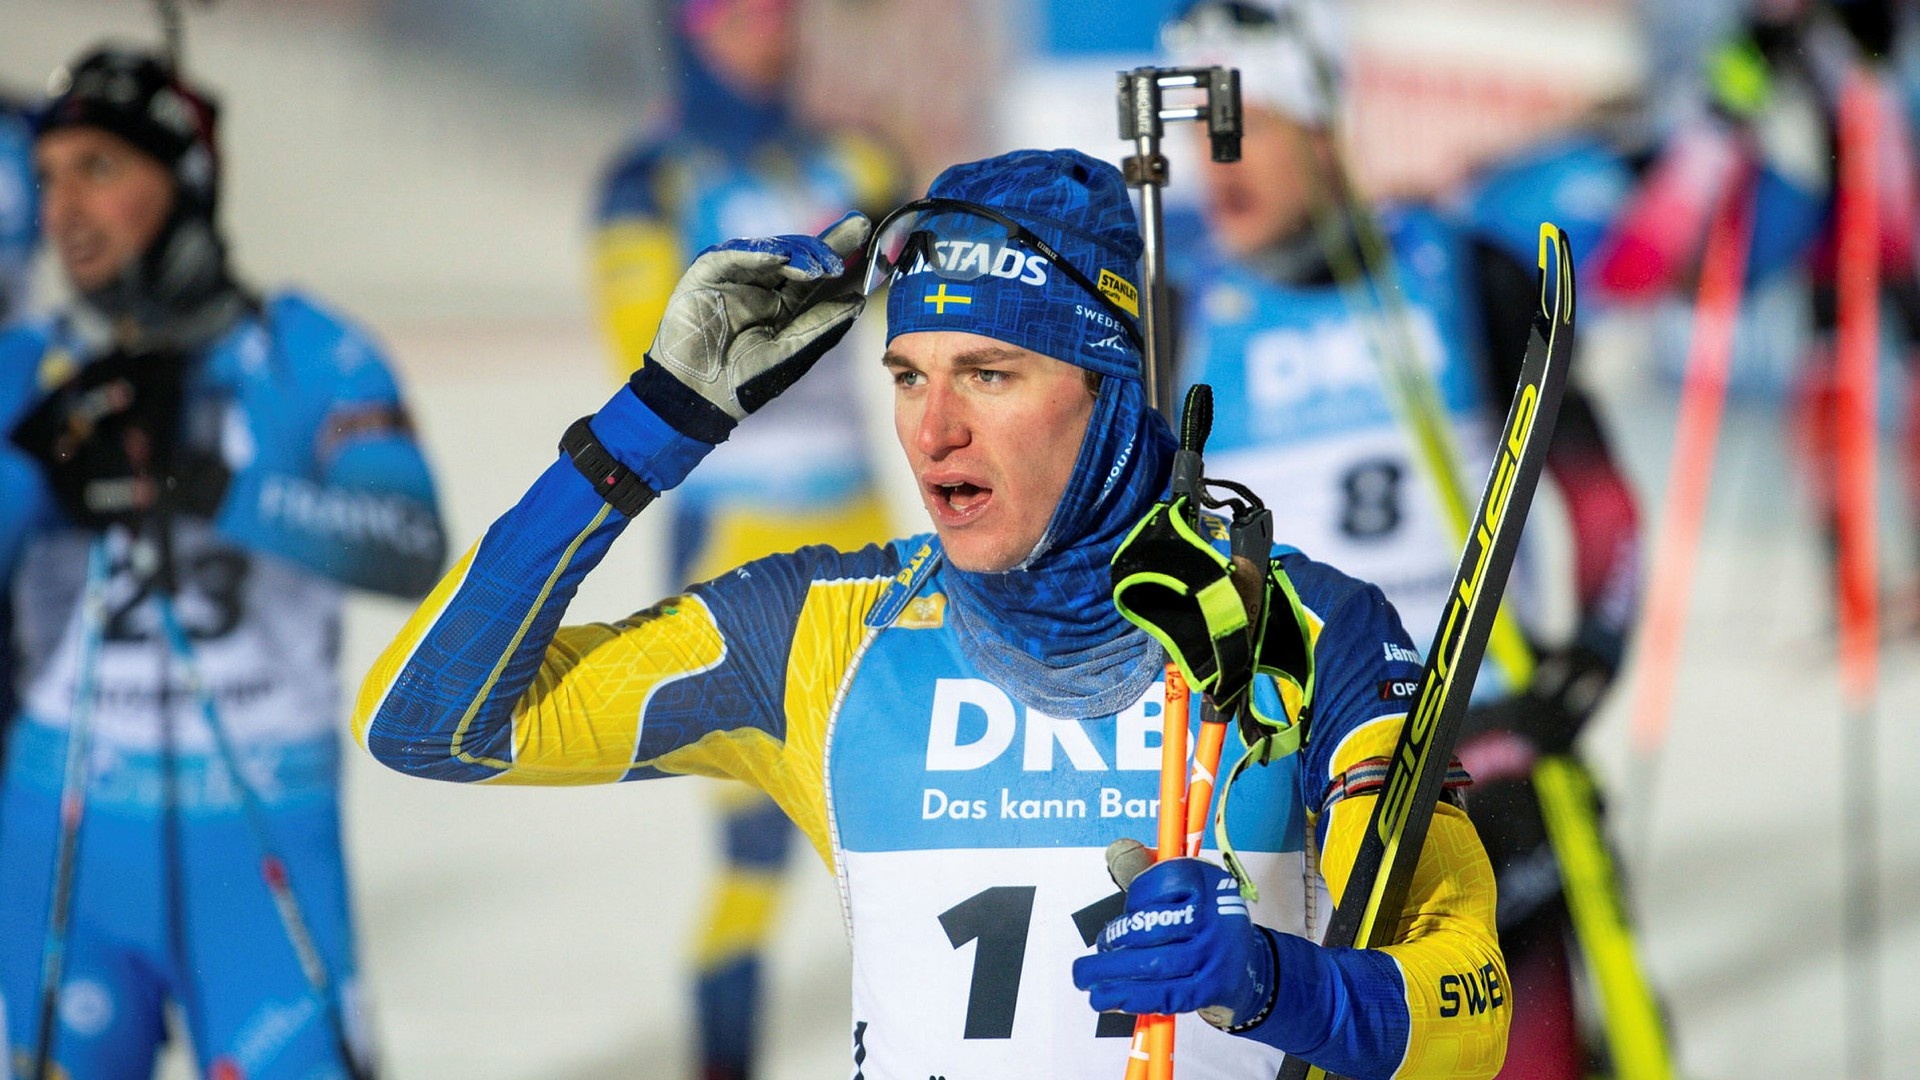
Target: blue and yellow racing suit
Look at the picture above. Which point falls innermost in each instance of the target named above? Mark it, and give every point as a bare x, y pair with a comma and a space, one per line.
328, 490
965, 830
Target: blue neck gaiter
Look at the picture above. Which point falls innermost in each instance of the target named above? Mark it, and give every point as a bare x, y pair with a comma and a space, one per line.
1048, 630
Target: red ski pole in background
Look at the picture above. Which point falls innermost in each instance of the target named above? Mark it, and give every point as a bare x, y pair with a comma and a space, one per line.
1703, 395
1856, 358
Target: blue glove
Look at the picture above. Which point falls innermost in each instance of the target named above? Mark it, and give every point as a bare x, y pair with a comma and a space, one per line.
1184, 944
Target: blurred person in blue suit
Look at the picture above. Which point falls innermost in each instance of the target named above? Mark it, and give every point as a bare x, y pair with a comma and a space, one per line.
19, 225
195, 475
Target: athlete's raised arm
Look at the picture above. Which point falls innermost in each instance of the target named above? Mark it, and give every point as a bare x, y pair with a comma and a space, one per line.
482, 683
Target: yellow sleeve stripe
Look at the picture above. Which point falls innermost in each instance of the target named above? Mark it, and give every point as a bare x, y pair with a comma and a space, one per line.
829, 636
520, 632
399, 652
827, 643
581, 719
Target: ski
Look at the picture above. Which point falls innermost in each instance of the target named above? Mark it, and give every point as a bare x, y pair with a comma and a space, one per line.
1383, 867
74, 782
1636, 1032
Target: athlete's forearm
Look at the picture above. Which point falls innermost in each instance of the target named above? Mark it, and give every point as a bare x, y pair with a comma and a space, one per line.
1342, 1009
1436, 1003
441, 700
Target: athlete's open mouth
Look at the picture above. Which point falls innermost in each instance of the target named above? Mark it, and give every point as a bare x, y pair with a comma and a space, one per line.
961, 496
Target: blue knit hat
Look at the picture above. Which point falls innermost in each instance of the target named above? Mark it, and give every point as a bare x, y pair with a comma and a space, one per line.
1076, 203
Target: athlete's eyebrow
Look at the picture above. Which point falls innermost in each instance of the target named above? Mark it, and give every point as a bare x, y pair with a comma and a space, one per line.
984, 356
988, 354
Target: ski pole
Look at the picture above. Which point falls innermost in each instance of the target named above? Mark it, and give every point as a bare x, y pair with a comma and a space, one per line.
1173, 837
273, 868
1703, 396
1636, 1034
1857, 353
1206, 770
1143, 116
173, 30
73, 807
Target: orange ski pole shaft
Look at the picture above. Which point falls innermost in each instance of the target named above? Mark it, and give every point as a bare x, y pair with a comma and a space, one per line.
1857, 355
1151, 1056
1856, 358
1206, 771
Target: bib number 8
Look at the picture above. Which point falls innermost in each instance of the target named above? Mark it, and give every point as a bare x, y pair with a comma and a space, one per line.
1371, 504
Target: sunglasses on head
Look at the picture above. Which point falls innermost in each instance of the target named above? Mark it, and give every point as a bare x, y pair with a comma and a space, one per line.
963, 241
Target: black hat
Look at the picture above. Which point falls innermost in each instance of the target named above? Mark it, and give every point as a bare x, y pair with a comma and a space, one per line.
139, 97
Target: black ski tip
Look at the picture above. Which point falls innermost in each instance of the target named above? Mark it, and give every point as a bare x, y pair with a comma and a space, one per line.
1196, 418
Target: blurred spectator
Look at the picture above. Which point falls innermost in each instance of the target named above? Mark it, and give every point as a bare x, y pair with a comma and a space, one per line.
1294, 322
195, 474
1766, 131
732, 161
892, 67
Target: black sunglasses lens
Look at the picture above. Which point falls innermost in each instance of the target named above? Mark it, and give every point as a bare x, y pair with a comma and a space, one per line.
962, 242
951, 240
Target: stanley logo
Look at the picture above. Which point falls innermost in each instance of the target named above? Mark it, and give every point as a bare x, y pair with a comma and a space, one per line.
1120, 291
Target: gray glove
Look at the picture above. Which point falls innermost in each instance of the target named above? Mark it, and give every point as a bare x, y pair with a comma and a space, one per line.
746, 321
